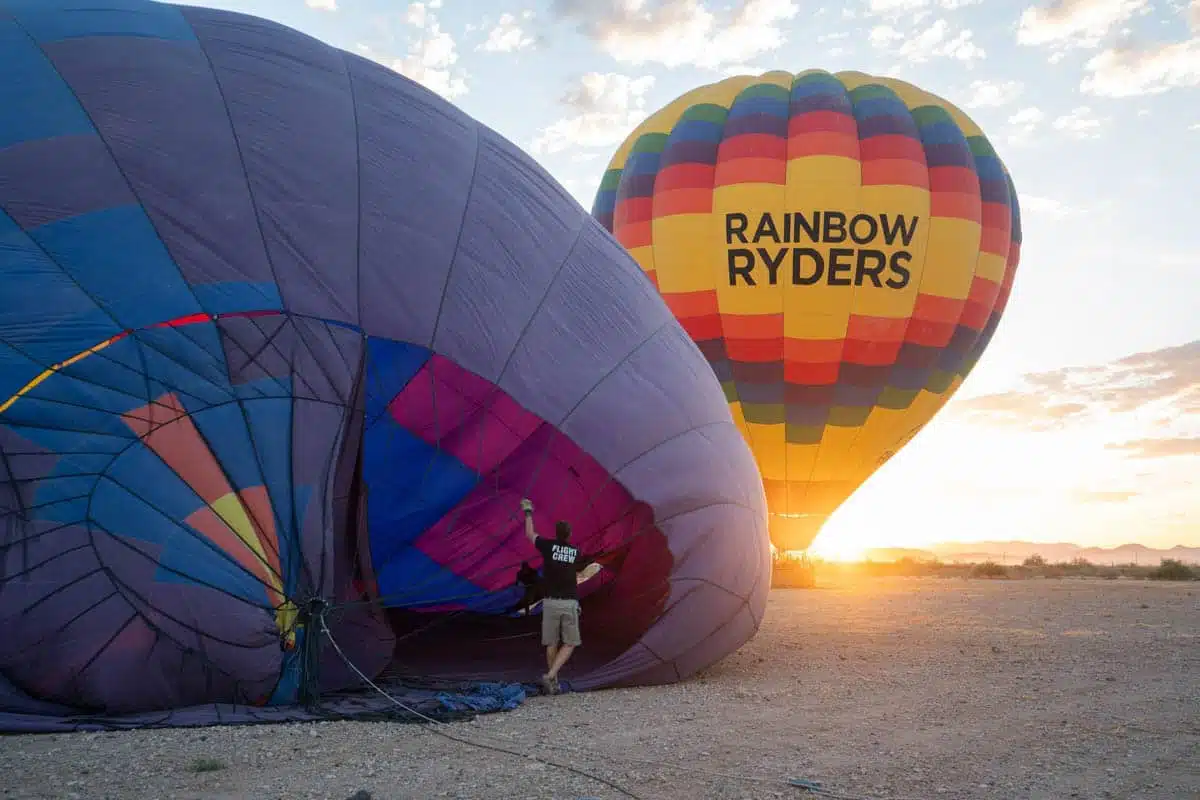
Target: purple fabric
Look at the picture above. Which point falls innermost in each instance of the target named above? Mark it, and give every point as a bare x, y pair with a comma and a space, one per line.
283, 175
72, 184
140, 90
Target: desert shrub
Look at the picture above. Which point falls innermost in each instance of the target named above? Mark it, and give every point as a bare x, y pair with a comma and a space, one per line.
1035, 560
1077, 566
989, 569
1172, 570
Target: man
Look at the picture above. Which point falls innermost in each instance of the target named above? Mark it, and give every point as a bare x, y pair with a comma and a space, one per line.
560, 606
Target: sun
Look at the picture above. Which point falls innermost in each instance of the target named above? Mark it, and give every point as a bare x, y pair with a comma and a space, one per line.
830, 549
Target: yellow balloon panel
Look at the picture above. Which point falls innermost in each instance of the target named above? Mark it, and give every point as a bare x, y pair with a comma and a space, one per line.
840, 247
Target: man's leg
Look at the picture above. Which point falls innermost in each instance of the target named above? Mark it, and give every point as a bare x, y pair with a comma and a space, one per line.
570, 640
560, 658
552, 616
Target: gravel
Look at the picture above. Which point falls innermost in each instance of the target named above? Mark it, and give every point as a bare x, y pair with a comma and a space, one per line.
888, 688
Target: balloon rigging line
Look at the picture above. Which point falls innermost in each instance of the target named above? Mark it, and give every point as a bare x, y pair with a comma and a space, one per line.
178, 322
438, 727
434, 726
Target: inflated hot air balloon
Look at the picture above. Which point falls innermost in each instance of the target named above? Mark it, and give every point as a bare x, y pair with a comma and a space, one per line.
284, 340
841, 247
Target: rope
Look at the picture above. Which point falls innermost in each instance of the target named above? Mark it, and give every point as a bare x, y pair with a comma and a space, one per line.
435, 726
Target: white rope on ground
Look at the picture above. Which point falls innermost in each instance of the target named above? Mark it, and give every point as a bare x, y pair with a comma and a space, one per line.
433, 725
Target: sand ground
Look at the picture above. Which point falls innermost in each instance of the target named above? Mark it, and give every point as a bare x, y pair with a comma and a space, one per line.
889, 688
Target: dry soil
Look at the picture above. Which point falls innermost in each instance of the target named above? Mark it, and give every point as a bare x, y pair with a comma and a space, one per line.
889, 688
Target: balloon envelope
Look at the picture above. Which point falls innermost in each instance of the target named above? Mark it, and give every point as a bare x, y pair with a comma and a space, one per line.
278, 325
841, 247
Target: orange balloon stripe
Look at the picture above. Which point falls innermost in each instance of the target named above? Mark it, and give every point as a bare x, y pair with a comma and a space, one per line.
958, 180
932, 324
812, 351
997, 229
931, 308
685, 176
895, 172
753, 326
751, 170
882, 329
702, 328
930, 334
637, 234
692, 304
756, 351
682, 201
635, 210
955, 205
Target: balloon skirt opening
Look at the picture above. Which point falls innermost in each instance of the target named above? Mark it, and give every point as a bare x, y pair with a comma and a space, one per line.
447, 457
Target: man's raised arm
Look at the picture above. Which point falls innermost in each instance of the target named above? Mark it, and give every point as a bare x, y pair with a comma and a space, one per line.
527, 508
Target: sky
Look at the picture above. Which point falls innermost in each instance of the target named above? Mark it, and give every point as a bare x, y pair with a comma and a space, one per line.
1082, 421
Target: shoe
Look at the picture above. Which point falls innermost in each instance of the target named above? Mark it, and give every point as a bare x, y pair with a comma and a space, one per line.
549, 685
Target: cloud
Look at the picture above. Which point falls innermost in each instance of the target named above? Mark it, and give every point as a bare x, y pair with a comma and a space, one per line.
931, 41
1083, 23
1143, 378
604, 108
990, 94
508, 36
322, 5
1089, 496
1159, 448
583, 189
1169, 377
680, 32
1023, 124
895, 7
431, 57
906, 8
1045, 206
1129, 71
1021, 409
1123, 69
1080, 123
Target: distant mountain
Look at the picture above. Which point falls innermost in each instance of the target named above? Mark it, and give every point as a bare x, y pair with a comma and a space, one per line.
1016, 552
897, 553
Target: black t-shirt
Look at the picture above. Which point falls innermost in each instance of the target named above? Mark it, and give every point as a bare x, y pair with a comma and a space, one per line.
562, 561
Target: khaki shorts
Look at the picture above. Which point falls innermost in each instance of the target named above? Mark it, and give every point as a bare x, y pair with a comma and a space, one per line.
560, 622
